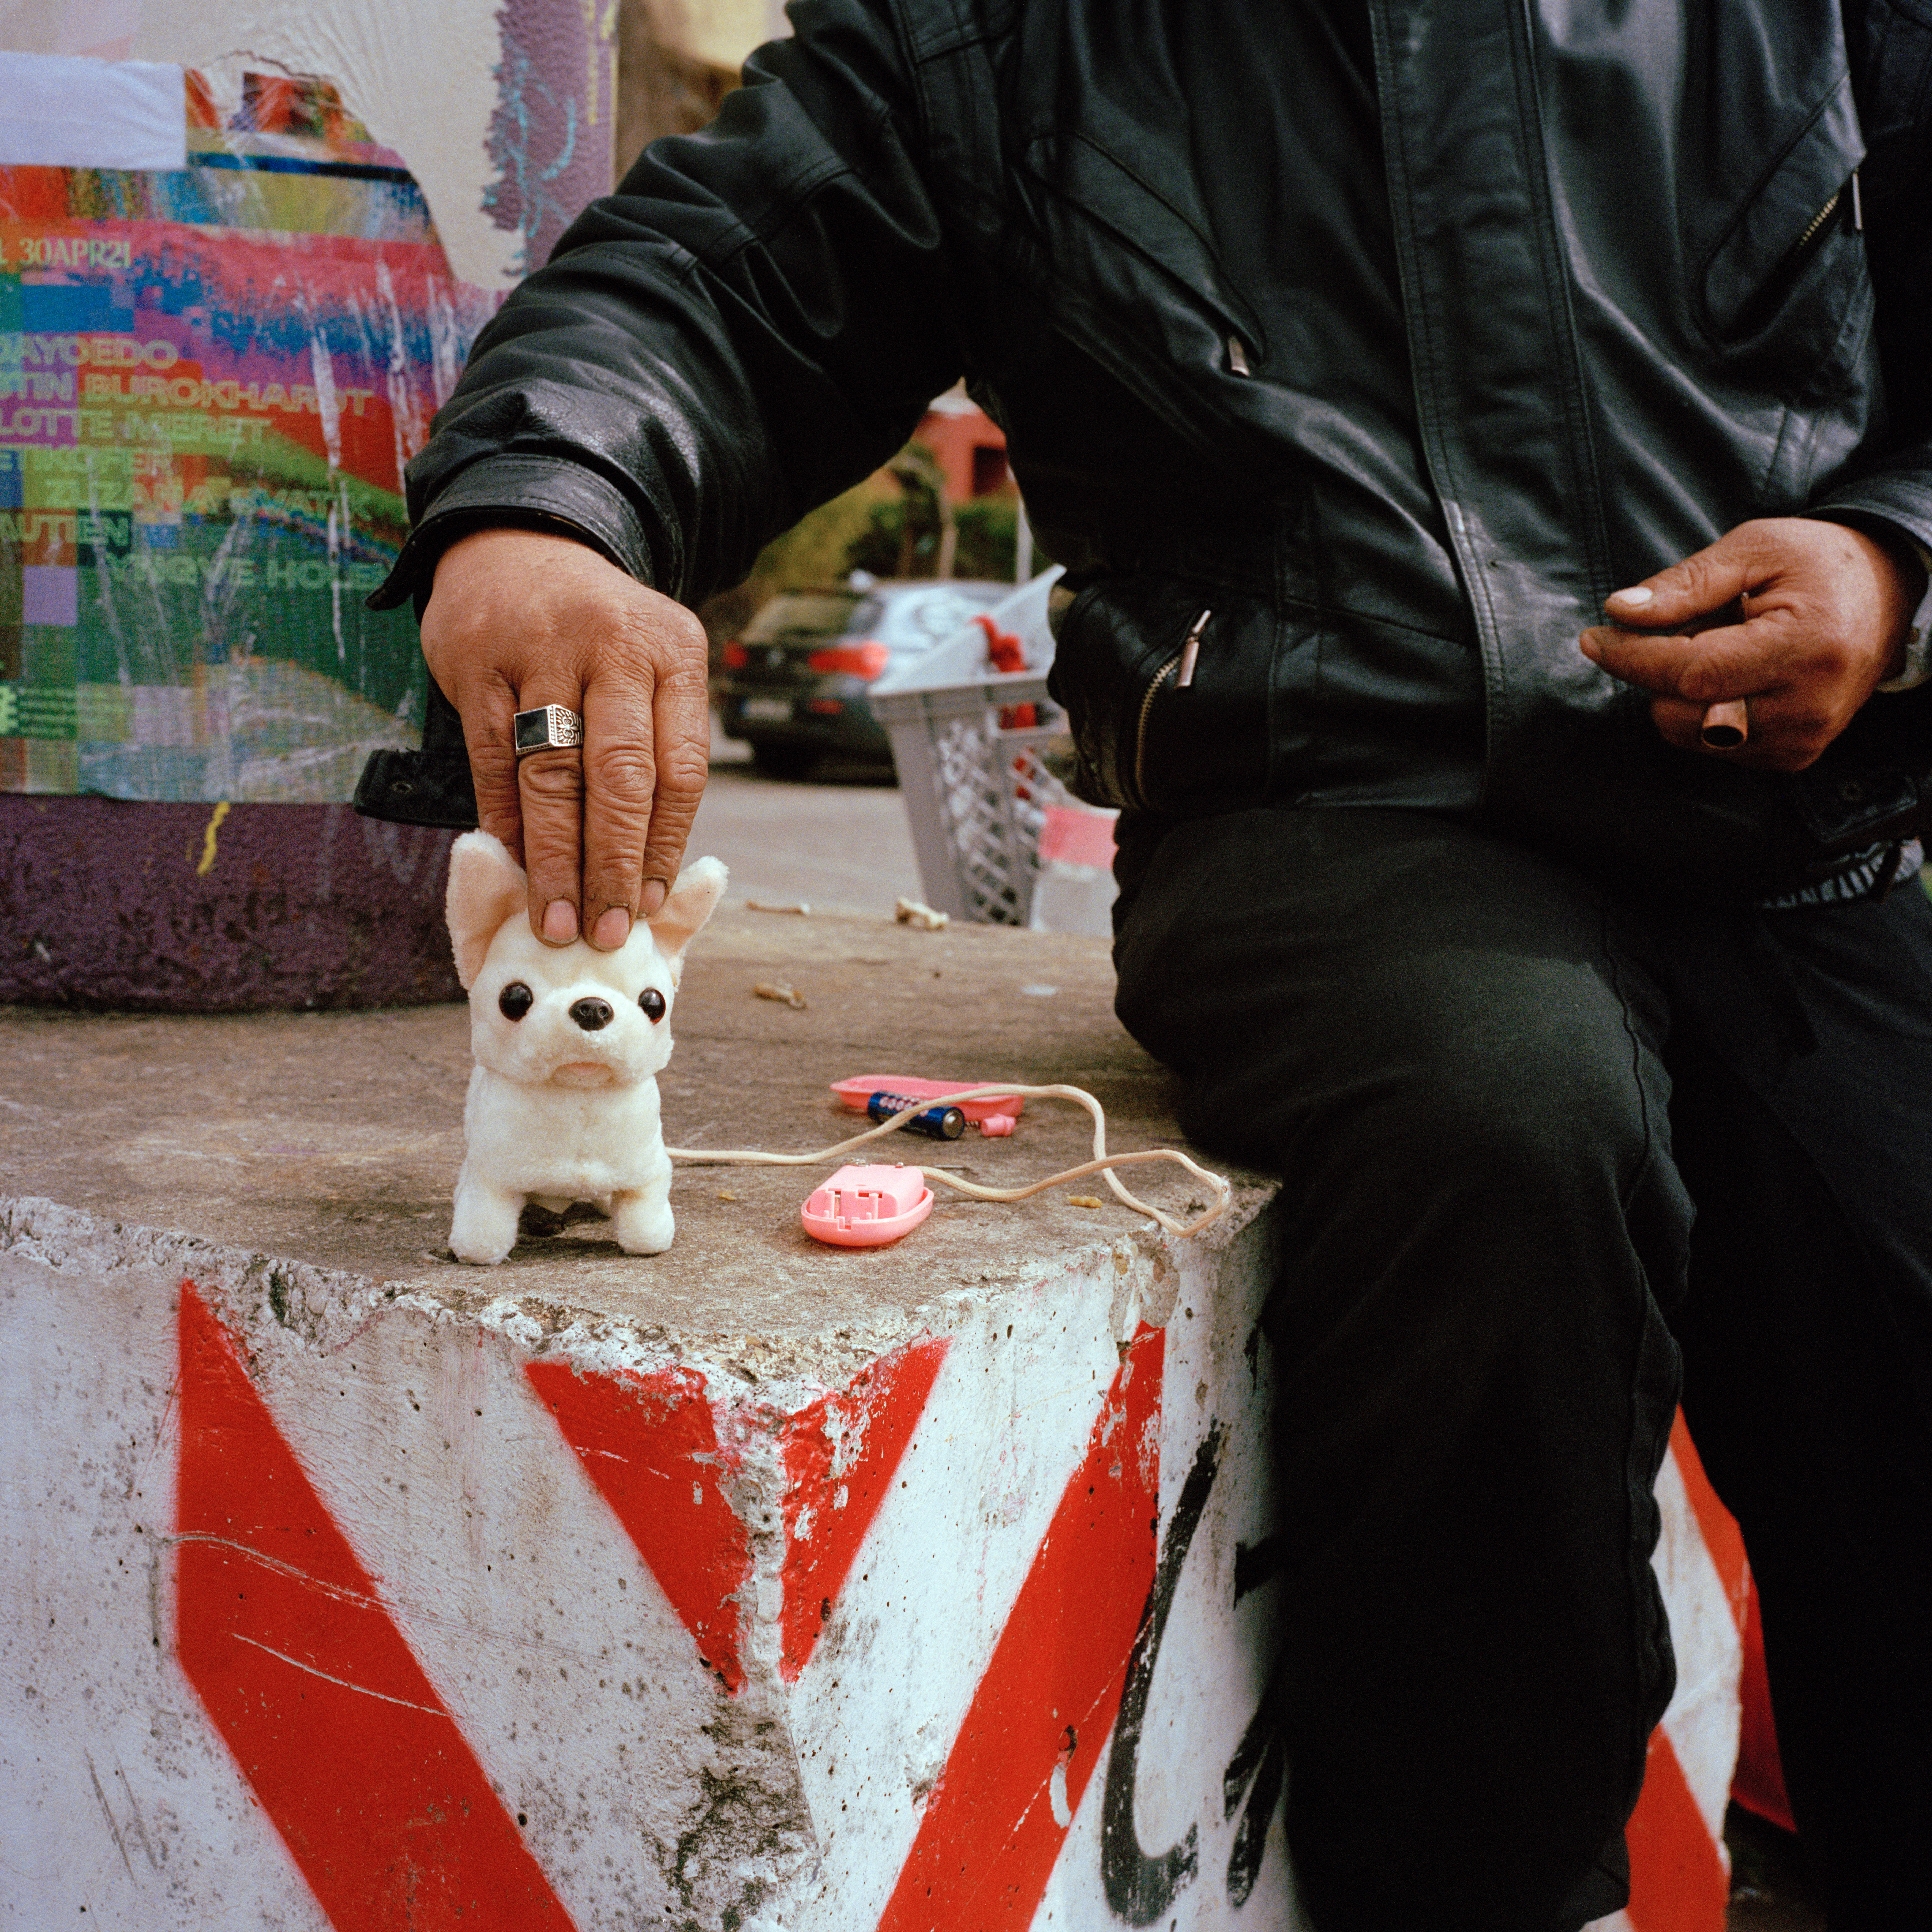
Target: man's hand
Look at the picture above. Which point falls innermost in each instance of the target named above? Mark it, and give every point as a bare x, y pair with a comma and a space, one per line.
518, 618
1819, 617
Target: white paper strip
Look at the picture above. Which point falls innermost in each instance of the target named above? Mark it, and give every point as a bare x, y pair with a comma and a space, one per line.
56, 112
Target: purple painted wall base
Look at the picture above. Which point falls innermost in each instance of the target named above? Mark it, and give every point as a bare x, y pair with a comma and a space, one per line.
207, 908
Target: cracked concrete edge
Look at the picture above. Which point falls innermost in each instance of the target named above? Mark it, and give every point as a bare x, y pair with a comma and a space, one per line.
279, 1302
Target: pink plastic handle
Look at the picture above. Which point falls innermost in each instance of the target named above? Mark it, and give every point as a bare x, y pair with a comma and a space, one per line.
862, 1206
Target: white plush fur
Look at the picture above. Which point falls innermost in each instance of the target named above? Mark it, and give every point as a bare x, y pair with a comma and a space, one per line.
558, 1114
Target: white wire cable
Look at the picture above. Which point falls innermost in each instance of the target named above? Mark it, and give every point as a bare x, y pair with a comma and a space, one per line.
1102, 1162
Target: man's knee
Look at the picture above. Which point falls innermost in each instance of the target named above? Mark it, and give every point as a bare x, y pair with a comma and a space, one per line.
1531, 1084
1543, 1100
1497, 1194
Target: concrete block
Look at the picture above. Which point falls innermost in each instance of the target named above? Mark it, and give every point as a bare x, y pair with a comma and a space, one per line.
335, 1594
753, 1585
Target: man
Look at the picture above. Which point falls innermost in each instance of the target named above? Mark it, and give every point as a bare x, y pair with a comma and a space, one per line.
1394, 335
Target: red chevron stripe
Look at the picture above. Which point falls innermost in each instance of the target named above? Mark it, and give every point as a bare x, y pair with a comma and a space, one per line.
1677, 1880
303, 1672
649, 1444
1758, 1785
839, 1456
988, 1841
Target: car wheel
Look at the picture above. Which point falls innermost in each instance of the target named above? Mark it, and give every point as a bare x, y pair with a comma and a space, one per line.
783, 761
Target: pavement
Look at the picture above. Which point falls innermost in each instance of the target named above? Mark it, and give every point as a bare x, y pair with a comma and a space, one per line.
1770, 1892
838, 841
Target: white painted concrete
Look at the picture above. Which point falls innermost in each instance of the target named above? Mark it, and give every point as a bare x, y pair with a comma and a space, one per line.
565, 1668
646, 1792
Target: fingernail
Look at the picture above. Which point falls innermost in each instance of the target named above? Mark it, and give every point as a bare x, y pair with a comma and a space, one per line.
612, 929
559, 921
653, 897
1590, 648
1640, 593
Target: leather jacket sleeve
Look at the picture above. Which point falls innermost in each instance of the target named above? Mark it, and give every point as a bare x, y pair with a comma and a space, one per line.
755, 320
1889, 42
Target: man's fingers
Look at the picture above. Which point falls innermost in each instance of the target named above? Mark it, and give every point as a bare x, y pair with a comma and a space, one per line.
487, 709
1785, 731
484, 698
549, 791
682, 717
1698, 586
620, 775
1680, 723
518, 619
1821, 618
1734, 662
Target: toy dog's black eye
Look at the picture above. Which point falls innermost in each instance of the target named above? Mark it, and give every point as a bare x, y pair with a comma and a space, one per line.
652, 1001
515, 1000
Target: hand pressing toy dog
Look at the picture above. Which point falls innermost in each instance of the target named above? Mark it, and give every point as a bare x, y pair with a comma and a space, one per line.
563, 1104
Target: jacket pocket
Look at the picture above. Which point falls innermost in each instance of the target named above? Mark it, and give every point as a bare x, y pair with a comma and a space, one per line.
1133, 258
1782, 276
1166, 687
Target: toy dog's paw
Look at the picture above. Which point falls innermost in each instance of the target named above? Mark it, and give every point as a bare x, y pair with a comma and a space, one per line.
483, 1229
479, 1254
643, 1227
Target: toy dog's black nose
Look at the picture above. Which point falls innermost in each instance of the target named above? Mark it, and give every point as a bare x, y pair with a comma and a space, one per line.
592, 1015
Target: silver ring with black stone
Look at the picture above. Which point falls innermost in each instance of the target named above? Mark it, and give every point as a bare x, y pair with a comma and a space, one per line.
550, 727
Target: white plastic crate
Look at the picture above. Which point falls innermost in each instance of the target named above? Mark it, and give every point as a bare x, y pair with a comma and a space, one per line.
975, 788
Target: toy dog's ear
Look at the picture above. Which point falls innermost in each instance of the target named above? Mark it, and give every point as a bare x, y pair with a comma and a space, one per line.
690, 902
487, 886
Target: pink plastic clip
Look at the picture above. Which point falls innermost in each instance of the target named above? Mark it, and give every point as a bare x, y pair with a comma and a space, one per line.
997, 1124
860, 1088
867, 1207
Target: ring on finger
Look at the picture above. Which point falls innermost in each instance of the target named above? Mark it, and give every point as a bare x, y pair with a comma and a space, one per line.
549, 728
1726, 724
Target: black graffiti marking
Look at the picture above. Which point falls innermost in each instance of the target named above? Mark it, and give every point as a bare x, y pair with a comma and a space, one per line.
1256, 1564
1139, 1888
1262, 1756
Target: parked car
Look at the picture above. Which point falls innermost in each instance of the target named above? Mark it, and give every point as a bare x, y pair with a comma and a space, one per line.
792, 684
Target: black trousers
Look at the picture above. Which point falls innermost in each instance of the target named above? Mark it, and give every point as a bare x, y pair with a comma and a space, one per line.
1551, 1156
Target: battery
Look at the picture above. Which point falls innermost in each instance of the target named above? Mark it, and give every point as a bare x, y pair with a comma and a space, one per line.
937, 1123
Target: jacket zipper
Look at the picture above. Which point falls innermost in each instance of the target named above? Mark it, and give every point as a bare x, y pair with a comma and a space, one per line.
1818, 221
1160, 677
1183, 660
1791, 264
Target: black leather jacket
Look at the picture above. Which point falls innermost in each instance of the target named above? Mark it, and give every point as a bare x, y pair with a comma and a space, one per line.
1644, 299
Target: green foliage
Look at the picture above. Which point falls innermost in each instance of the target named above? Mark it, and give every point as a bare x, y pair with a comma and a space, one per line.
988, 535
988, 528
815, 550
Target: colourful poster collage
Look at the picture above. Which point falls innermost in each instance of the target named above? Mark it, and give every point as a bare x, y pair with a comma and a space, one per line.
210, 381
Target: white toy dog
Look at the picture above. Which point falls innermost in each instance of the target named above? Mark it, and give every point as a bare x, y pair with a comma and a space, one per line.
563, 1104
